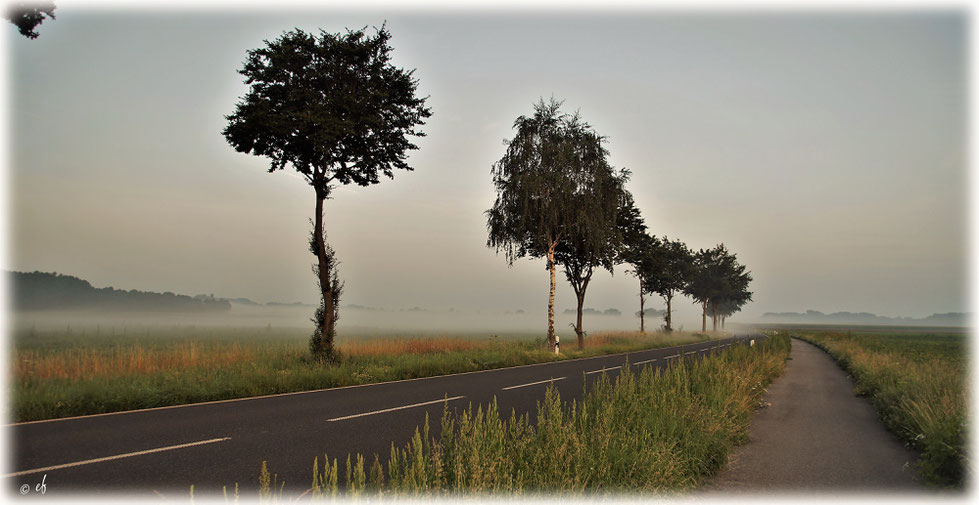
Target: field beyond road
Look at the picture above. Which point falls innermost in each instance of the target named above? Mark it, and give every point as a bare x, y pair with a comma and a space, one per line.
90, 371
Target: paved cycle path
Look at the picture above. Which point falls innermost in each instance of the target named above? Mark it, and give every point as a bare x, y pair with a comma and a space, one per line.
816, 435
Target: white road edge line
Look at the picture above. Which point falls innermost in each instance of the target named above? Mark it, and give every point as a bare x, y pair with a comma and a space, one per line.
392, 409
533, 383
118, 456
691, 352
647, 361
604, 369
672, 356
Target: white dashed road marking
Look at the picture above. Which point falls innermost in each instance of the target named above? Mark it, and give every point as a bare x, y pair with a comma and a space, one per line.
117, 456
392, 409
604, 369
534, 383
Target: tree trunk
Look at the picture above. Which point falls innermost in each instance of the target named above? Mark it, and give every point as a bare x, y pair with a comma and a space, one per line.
723, 318
642, 310
669, 314
714, 317
577, 329
550, 298
326, 328
703, 319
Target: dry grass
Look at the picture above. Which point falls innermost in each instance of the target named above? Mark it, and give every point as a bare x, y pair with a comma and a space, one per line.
63, 374
417, 345
137, 359
609, 338
80, 363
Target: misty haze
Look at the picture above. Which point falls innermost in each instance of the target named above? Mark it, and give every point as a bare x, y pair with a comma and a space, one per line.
709, 252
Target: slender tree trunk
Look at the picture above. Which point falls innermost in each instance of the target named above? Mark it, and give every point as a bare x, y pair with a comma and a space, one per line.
577, 329
642, 310
714, 317
669, 313
550, 298
703, 319
723, 318
326, 290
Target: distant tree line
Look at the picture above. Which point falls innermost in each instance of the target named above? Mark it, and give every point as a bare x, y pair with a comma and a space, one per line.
595, 312
817, 317
54, 291
558, 198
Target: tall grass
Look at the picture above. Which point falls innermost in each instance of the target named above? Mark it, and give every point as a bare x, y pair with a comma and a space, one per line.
60, 375
658, 431
917, 383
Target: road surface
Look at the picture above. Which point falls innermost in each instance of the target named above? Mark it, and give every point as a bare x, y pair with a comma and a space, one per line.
164, 451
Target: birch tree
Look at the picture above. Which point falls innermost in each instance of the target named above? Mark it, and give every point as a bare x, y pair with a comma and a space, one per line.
553, 162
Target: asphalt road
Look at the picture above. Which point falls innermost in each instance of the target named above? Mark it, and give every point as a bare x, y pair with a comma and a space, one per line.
164, 451
816, 435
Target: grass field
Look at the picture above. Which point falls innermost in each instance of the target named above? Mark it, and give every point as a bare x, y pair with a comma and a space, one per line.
917, 382
75, 371
651, 432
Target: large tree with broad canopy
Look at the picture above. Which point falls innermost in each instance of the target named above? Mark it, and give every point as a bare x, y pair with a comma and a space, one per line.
336, 109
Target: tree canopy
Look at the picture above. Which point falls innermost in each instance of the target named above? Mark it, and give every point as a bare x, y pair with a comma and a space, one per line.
735, 293
717, 280
27, 16
596, 244
667, 268
334, 107
635, 249
543, 182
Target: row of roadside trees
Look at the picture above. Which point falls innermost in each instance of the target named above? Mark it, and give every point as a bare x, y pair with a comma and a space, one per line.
334, 108
558, 198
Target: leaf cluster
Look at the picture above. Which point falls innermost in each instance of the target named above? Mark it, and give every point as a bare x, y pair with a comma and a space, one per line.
667, 267
28, 16
554, 184
719, 281
332, 105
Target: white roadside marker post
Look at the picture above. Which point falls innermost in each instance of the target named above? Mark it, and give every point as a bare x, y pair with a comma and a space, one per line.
752, 343
557, 344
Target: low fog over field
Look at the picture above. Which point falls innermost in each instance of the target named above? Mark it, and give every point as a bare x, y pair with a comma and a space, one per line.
354, 320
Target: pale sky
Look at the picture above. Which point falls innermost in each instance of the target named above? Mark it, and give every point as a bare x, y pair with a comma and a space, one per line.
827, 150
